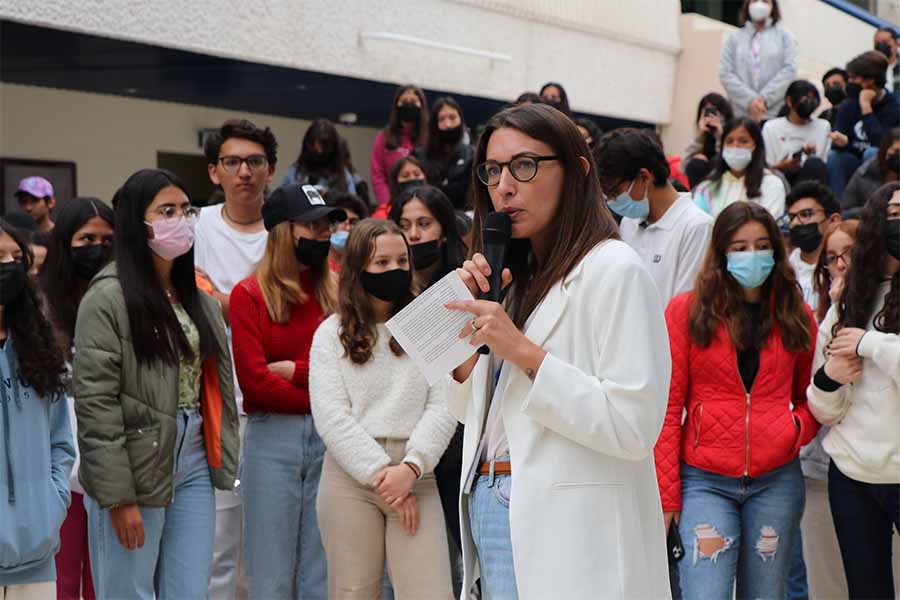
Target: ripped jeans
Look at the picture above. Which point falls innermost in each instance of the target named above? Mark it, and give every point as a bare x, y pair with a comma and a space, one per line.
738, 527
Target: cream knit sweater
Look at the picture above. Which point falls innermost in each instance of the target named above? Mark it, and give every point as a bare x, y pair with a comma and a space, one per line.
387, 397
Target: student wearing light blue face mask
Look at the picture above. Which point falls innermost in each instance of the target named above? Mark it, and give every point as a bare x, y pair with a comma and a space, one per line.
742, 349
664, 226
356, 211
739, 173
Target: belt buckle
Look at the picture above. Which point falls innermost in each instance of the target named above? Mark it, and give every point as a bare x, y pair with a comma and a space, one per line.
491, 474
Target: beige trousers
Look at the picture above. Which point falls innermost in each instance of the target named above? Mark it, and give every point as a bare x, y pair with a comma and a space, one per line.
358, 530
45, 590
824, 569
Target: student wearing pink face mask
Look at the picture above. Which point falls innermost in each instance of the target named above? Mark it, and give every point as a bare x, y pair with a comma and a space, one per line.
154, 398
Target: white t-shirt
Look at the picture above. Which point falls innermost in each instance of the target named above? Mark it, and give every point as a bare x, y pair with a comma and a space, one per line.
783, 138
804, 272
227, 256
673, 247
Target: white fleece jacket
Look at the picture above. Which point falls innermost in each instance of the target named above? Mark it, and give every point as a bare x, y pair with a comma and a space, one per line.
387, 397
864, 439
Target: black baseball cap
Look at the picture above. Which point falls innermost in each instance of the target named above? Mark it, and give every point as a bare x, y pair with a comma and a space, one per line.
295, 202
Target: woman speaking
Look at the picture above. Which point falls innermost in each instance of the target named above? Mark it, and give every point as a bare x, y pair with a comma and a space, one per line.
559, 496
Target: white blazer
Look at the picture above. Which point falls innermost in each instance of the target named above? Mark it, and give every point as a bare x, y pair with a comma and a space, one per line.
585, 511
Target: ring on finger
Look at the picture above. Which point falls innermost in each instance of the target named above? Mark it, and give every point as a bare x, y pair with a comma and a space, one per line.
473, 326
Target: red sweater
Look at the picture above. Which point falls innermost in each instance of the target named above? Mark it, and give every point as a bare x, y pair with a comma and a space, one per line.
728, 430
258, 341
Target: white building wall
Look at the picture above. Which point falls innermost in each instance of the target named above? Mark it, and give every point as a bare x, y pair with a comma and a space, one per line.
826, 37
110, 137
615, 58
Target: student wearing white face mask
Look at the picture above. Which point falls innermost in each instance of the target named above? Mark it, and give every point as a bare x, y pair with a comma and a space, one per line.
758, 61
740, 174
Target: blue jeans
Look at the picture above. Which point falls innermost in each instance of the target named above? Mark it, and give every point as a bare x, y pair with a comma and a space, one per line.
489, 519
738, 527
842, 165
796, 585
176, 558
279, 484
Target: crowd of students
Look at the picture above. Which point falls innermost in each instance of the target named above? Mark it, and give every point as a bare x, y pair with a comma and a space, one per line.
246, 425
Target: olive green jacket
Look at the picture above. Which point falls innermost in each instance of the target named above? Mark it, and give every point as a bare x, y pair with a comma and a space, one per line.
127, 411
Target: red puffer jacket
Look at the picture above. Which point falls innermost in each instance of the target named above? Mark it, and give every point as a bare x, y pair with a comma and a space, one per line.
728, 431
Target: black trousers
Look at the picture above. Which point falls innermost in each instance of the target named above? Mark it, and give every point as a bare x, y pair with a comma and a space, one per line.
865, 515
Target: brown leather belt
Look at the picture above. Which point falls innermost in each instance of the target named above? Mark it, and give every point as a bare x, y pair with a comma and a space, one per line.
501, 467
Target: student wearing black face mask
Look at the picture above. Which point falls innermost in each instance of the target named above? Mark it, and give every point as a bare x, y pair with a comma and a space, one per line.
274, 314
429, 223
862, 118
811, 209
447, 157
384, 429
407, 128
797, 145
834, 82
555, 95
80, 245
855, 391
872, 174
322, 161
431, 227
886, 41
407, 174
36, 444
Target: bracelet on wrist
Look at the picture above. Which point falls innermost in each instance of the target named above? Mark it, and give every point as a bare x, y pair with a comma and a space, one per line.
413, 468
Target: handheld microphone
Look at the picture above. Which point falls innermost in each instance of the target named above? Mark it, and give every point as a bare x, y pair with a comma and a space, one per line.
495, 235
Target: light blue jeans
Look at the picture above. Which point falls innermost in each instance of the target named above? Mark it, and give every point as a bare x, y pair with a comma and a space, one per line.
489, 519
739, 527
176, 558
279, 484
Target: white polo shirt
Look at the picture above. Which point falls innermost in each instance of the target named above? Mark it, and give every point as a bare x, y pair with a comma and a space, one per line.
673, 247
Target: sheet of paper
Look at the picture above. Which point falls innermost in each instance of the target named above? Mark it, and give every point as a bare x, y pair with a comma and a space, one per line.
429, 333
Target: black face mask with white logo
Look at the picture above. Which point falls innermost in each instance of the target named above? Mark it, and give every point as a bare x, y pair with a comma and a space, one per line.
389, 286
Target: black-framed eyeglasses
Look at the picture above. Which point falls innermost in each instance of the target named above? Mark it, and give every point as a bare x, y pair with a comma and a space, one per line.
522, 168
832, 259
232, 164
804, 215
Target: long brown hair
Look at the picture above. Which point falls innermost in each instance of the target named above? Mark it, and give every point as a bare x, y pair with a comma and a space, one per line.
821, 276
744, 14
581, 222
278, 276
419, 134
719, 298
358, 332
865, 274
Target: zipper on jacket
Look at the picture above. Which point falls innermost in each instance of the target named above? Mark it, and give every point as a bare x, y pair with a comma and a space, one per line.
747, 457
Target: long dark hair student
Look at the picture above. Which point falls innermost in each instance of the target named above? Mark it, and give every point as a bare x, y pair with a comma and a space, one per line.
69, 269
41, 363
155, 330
719, 297
753, 174
452, 248
555, 95
357, 319
864, 277
583, 217
419, 131
323, 154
